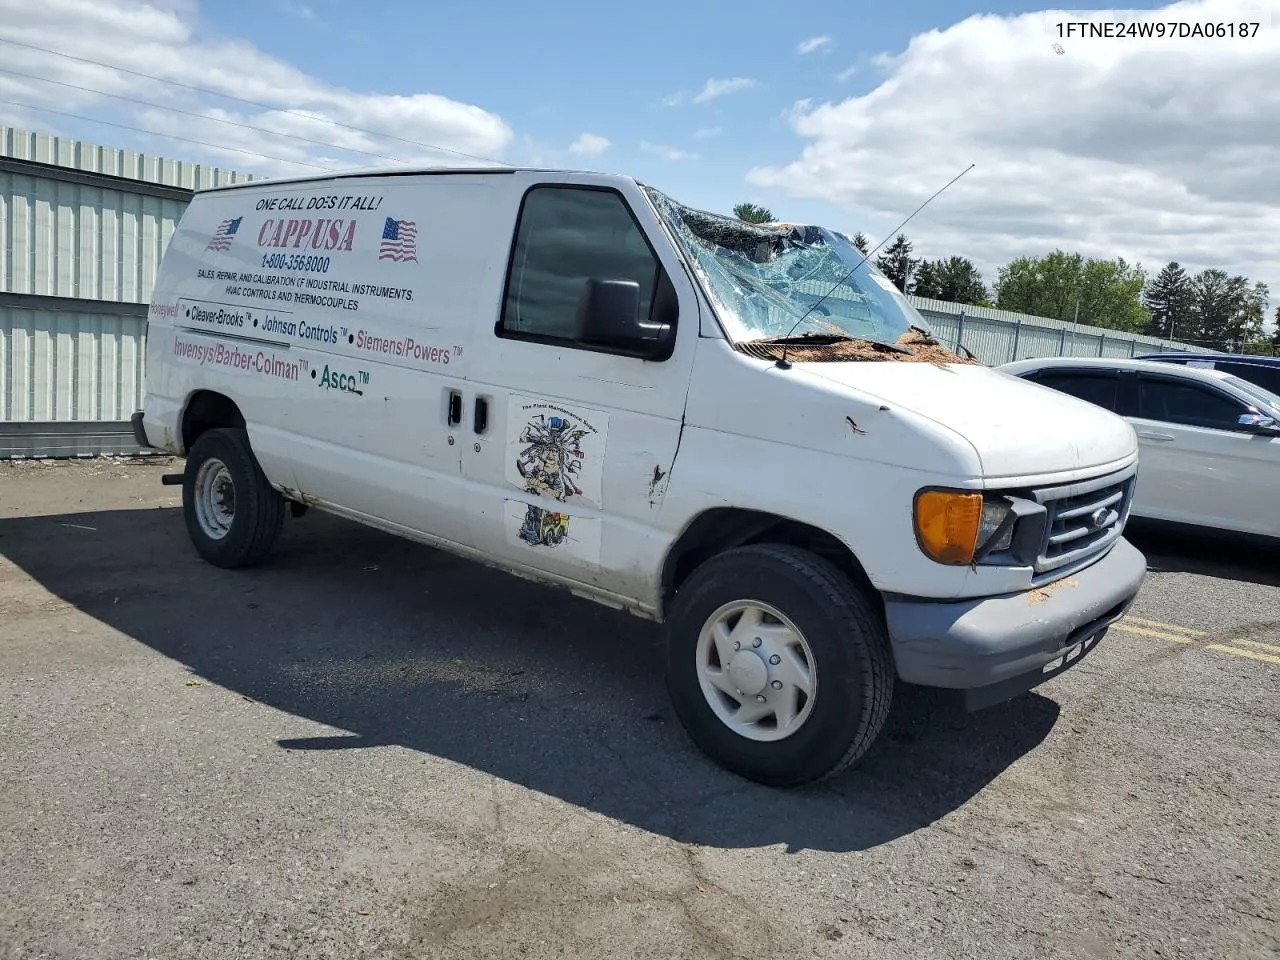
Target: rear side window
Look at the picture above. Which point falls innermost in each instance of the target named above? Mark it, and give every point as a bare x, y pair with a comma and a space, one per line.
567, 236
1188, 404
1097, 388
1266, 377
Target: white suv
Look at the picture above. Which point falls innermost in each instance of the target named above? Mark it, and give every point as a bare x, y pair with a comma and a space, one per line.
1209, 441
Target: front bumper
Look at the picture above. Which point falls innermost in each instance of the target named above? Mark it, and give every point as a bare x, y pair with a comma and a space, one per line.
997, 647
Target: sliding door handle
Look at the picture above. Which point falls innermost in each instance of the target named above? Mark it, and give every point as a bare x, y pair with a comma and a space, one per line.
455, 408
481, 415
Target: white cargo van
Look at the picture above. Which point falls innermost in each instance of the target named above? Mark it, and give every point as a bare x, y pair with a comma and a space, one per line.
735, 430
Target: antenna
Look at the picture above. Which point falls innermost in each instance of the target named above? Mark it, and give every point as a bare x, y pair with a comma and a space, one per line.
781, 363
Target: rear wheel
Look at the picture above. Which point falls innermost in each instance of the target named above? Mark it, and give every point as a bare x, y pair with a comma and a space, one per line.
778, 666
233, 514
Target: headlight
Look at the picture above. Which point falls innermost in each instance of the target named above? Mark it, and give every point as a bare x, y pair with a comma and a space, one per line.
991, 539
957, 526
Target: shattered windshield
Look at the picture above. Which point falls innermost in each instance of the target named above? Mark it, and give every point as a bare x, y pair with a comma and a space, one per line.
762, 279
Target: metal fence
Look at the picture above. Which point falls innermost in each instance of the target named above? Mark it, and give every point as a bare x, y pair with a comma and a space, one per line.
83, 228
998, 336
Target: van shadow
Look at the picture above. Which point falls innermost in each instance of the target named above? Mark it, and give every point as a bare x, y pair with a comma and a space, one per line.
403, 645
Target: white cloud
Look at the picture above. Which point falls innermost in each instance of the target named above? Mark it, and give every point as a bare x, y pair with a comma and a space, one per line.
667, 153
719, 88
813, 43
706, 133
589, 145
164, 38
1150, 149
847, 73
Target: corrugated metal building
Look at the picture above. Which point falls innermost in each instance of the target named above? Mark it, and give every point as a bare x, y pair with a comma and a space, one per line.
82, 231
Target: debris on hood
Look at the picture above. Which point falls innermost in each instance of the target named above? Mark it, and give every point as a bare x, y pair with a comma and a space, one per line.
914, 346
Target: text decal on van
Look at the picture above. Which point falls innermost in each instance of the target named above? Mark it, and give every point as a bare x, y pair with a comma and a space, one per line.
332, 379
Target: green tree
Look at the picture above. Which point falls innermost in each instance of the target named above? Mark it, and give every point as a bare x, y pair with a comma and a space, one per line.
927, 283
1169, 298
896, 262
1251, 313
1066, 286
1111, 295
861, 242
955, 279
1047, 286
1215, 306
751, 213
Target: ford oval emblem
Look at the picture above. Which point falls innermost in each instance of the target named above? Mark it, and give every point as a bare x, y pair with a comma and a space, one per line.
1099, 518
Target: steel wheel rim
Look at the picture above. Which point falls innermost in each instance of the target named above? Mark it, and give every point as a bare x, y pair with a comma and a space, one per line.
756, 670
215, 500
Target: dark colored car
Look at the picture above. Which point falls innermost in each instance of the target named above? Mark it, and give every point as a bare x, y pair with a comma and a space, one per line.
1264, 371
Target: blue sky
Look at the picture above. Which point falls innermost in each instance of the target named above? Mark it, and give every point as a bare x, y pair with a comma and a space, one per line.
554, 75
844, 114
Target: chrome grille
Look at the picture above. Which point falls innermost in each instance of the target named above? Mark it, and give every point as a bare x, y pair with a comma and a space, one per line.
1083, 519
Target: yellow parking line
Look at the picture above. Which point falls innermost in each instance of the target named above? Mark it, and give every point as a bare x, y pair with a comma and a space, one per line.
1269, 648
1173, 628
1143, 631
1156, 624
1176, 634
1264, 657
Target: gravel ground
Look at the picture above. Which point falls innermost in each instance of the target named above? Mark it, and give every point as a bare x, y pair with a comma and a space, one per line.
368, 749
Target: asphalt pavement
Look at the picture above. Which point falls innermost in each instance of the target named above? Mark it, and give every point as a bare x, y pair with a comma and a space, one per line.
370, 749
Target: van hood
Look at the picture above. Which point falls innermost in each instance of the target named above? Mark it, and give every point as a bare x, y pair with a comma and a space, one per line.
1018, 428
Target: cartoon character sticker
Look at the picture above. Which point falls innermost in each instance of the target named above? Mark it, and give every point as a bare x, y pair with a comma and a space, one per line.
552, 456
555, 454
542, 528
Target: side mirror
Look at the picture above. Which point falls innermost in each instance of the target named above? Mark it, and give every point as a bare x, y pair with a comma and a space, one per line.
1259, 423
609, 316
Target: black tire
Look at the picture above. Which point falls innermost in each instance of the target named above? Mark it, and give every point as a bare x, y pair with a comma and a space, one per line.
846, 635
257, 509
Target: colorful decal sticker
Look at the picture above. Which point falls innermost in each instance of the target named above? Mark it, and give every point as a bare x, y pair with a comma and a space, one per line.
570, 536
555, 452
399, 241
221, 239
316, 235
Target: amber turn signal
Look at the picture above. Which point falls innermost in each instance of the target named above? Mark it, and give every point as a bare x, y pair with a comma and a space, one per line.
947, 524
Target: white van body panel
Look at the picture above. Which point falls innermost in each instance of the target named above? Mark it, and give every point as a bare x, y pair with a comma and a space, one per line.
846, 455
1016, 434
630, 413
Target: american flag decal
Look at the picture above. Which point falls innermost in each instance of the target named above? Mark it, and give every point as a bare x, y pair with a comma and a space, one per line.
222, 236
399, 241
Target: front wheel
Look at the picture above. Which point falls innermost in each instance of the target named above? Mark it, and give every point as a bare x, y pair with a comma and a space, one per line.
233, 514
778, 666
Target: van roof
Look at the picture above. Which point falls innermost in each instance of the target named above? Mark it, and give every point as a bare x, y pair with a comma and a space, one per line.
405, 171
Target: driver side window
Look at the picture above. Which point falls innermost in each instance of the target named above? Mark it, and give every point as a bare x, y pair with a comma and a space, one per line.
1188, 404
567, 236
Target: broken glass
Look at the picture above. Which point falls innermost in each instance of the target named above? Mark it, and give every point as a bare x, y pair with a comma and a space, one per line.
768, 281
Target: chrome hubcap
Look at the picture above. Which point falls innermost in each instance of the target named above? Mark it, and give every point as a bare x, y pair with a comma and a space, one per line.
756, 670
215, 499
